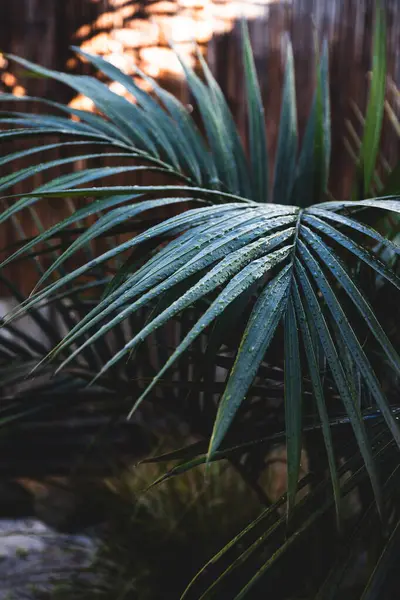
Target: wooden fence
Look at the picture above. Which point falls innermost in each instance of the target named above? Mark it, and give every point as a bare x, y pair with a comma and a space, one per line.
133, 32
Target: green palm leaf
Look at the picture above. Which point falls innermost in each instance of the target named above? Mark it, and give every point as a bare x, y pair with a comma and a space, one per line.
375, 109
287, 143
296, 270
256, 123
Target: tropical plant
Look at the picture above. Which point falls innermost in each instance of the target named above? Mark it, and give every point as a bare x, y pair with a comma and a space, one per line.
272, 288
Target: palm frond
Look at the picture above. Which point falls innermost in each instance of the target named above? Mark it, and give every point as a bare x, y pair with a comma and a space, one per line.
295, 267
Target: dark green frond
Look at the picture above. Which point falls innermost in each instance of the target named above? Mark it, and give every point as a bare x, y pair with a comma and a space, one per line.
255, 322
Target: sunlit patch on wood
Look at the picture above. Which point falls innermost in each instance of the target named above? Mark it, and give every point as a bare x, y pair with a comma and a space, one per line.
133, 36
8, 81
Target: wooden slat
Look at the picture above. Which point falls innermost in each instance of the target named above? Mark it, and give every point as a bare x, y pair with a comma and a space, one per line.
42, 30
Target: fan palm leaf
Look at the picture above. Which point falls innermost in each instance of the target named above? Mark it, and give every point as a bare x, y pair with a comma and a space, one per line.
292, 255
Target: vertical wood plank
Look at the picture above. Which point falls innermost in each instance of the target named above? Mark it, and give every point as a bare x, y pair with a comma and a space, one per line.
42, 31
